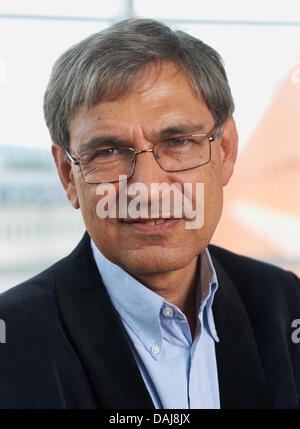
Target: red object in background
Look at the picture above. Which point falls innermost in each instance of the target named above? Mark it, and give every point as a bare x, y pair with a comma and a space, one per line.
261, 216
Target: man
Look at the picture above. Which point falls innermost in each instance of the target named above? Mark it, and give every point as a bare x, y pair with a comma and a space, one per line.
144, 313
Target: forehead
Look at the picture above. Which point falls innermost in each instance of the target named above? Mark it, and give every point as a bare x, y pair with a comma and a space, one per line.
162, 97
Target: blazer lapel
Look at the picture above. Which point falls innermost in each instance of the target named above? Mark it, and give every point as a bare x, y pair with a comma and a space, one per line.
97, 334
242, 381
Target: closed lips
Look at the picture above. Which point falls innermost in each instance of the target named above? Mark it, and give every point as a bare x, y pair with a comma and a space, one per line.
147, 222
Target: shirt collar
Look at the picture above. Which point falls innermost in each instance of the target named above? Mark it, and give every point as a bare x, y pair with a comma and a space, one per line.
140, 308
209, 284
137, 305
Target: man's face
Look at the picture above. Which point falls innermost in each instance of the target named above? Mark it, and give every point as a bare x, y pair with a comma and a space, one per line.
162, 100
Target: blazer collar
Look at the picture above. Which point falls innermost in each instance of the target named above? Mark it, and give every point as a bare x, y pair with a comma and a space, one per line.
101, 342
242, 382
96, 333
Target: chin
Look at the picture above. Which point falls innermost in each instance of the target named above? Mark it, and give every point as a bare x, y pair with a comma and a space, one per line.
151, 261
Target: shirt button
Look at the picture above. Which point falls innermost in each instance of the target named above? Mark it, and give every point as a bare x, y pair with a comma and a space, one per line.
155, 349
168, 312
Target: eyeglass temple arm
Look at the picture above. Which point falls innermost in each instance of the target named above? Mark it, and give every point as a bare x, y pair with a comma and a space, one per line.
217, 134
71, 159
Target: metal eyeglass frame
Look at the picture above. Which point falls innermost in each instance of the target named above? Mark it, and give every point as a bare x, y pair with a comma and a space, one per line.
216, 134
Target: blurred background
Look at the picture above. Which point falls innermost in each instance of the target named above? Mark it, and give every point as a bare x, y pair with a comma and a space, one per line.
259, 41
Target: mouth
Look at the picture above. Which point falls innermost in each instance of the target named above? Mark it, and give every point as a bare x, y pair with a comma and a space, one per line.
152, 225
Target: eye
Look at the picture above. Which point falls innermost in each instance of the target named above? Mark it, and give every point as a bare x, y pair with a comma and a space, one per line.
107, 152
178, 142
97, 154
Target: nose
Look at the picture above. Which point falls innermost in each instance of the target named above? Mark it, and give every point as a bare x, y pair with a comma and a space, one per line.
147, 169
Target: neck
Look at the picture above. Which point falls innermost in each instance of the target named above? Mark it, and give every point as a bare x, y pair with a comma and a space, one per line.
176, 287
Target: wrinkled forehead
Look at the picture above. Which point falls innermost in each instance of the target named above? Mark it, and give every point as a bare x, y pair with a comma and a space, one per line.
162, 98
154, 73
139, 80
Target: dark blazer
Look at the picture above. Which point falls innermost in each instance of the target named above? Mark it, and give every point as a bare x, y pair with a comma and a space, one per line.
66, 346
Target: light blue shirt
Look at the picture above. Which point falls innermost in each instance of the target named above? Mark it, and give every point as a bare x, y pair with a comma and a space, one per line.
179, 372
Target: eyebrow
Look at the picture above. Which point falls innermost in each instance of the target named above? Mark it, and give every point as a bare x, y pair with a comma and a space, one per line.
184, 129
178, 129
98, 142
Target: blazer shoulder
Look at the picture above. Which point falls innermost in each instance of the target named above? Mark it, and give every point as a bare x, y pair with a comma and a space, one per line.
249, 273
39, 365
42, 284
244, 264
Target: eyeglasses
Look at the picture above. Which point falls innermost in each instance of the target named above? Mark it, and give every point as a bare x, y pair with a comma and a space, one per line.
179, 153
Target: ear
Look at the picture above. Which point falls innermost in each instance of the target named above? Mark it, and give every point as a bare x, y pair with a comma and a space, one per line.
229, 149
65, 173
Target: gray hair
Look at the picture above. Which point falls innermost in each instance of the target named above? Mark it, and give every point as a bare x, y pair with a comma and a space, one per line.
107, 64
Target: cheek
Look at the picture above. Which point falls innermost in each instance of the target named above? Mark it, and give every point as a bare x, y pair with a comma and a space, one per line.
213, 199
93, 205
211, 178
87, 199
